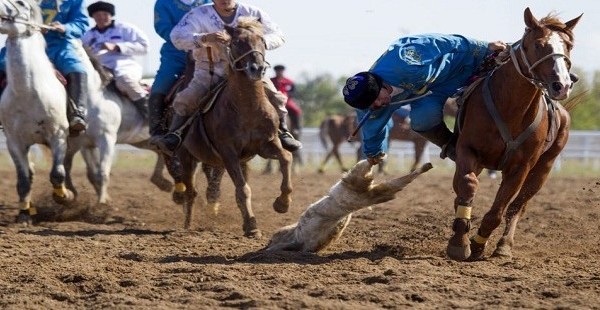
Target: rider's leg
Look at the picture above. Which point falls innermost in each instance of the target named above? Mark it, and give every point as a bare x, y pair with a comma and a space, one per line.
77, 93
427, 119
129, 83
185, 104
278, 100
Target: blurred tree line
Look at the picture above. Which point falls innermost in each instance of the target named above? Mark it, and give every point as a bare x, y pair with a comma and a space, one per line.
321, 95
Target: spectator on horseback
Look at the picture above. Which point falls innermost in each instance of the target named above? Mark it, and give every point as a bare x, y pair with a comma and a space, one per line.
167, 14
425, 68
68, 21
287, 87
202, 31
116, 43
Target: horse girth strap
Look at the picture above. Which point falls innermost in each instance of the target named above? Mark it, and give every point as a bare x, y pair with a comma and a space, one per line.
211, 62
511, 144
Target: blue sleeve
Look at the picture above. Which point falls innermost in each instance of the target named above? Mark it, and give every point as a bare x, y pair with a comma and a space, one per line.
3, 59
163, 23
77, 22
375, 131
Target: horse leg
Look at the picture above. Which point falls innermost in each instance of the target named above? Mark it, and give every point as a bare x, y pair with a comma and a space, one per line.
18, 153
105, 150
322, 166
243, 193
157, 177
189, 166
91, 166
58, 175
268, 167
419, 151
68, 163
535, 180
465, 185
511, 183
282, 203
214, 175
336, 153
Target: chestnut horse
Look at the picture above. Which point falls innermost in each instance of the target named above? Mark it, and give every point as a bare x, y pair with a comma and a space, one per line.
337, 128
241, 124
511, 122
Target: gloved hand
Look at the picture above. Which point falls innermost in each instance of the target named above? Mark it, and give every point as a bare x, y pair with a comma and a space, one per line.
376, 159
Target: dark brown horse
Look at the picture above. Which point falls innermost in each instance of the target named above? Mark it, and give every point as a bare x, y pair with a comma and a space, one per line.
337, 129
241, 124
508, 124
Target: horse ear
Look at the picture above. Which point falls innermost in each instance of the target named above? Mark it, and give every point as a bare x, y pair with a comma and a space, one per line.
530, 20
229, 30
571, 24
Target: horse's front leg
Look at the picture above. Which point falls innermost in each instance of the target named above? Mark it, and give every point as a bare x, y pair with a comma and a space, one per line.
106, 150
58, 174
512, 181
465, 185
158, 178
18, 153
188, 167
282, 203
243, 193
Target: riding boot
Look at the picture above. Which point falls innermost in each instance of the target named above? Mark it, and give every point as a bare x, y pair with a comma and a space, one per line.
142, 106
287, 140
441, 136
157, 109
169, 143
77, 93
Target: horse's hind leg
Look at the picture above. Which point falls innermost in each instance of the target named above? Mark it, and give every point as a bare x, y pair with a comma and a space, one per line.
336, 153
189, 165
58, 173
324, 162
214, 176
68, 163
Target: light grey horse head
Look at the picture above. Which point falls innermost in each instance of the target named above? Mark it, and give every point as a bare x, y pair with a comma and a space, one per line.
19, 17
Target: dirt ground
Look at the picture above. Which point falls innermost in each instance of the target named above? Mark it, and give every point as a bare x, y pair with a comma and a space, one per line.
134, 254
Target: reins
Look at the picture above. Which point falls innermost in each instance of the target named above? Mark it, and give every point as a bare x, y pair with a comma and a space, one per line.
15, 19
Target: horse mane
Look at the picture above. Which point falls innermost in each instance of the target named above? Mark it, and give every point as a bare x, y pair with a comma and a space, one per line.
251, 24
553, 23
36, 11
105, 75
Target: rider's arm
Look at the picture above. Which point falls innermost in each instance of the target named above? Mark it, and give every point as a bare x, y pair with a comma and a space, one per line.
163, 21
135, 42
273, 36
375, 131
77, 22
188, 33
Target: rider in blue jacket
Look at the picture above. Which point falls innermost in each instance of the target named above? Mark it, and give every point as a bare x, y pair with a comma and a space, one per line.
69, 21
167, 14
426, 69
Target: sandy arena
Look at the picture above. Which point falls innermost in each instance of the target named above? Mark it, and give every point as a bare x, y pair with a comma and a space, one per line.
134, 254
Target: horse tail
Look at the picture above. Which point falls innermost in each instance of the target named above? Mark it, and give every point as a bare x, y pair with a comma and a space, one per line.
324, 132
575, 100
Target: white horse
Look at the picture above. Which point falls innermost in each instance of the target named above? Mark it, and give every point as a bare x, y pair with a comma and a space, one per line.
31, 79
34, 103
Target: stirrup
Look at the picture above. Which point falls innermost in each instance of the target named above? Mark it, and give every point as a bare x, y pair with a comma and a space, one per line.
289, 142
449, 151
169, 143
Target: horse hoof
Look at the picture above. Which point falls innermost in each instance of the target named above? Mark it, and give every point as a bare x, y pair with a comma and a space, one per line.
64, 199
24, 218
162, 184
281, 206
477, 250
179, 197
214, 207
254, 234
458, 253
502, 252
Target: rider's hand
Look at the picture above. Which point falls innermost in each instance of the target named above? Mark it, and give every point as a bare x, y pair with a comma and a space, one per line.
497, 46
376, 159
217, 37
111, 47
58, 27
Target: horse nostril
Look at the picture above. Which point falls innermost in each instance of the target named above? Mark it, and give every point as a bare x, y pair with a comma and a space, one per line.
556, 86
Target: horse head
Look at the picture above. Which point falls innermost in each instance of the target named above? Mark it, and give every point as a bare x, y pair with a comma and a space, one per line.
19, 17
246, 50
544, 53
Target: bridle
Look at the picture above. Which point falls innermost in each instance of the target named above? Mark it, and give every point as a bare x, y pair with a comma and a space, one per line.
538, 83
15, 18
233, 61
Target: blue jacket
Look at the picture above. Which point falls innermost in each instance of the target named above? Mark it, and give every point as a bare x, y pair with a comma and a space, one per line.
417, 64
167, 14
